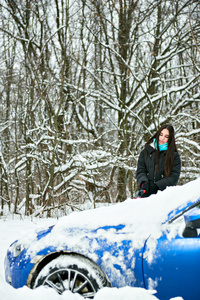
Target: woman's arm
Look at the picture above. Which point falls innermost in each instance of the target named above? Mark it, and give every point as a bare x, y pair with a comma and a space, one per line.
141, 173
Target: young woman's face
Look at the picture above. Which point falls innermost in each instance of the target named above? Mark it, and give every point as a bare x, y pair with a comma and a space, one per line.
163, 137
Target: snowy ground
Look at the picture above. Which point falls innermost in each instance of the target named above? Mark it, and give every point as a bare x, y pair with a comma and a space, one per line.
12, 227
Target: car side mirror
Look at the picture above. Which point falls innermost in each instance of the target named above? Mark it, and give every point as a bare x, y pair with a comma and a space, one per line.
192, 222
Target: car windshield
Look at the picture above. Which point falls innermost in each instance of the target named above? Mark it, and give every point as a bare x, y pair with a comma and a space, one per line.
181, 212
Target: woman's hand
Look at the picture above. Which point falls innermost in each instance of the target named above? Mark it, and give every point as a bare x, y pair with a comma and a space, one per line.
144, 190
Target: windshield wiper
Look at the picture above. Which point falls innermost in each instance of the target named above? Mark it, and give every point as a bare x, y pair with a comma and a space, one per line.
182, 212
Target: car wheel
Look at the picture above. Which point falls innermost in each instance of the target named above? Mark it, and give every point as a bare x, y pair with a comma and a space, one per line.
75, 273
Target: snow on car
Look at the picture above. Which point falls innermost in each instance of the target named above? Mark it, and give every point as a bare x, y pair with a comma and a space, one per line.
152, 243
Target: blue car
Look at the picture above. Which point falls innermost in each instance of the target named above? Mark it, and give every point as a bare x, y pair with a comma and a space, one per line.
152, 243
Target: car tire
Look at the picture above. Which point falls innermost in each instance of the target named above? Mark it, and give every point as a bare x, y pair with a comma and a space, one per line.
72, 272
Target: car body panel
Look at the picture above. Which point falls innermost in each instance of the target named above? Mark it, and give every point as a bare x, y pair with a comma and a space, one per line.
17, 269
175, 268
121, 263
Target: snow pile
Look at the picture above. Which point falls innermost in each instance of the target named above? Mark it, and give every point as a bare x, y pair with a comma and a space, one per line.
42, 293
127, 293
152, 210
139, 217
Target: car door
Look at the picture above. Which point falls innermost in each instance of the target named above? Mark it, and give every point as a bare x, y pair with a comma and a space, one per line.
174, 267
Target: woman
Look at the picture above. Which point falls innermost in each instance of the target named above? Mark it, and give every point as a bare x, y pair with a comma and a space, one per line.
159, 163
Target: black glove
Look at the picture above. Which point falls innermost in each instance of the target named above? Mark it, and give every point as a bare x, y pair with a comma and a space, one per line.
154, 189
144, 190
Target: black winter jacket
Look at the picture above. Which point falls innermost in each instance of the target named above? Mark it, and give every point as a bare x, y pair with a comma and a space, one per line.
146, 170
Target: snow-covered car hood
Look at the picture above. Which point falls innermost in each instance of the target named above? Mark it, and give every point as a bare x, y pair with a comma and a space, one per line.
132, 220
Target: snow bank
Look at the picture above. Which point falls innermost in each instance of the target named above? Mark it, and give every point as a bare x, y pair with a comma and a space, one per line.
42, 293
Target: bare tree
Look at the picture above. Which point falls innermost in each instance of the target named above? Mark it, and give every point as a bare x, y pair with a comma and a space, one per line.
84, 83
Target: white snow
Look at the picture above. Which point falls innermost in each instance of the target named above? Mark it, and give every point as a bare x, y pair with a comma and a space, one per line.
154, 210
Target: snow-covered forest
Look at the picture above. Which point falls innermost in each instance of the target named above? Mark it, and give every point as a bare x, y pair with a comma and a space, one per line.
83, 85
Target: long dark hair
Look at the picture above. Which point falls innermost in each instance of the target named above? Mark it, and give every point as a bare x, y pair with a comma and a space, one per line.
169, 159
